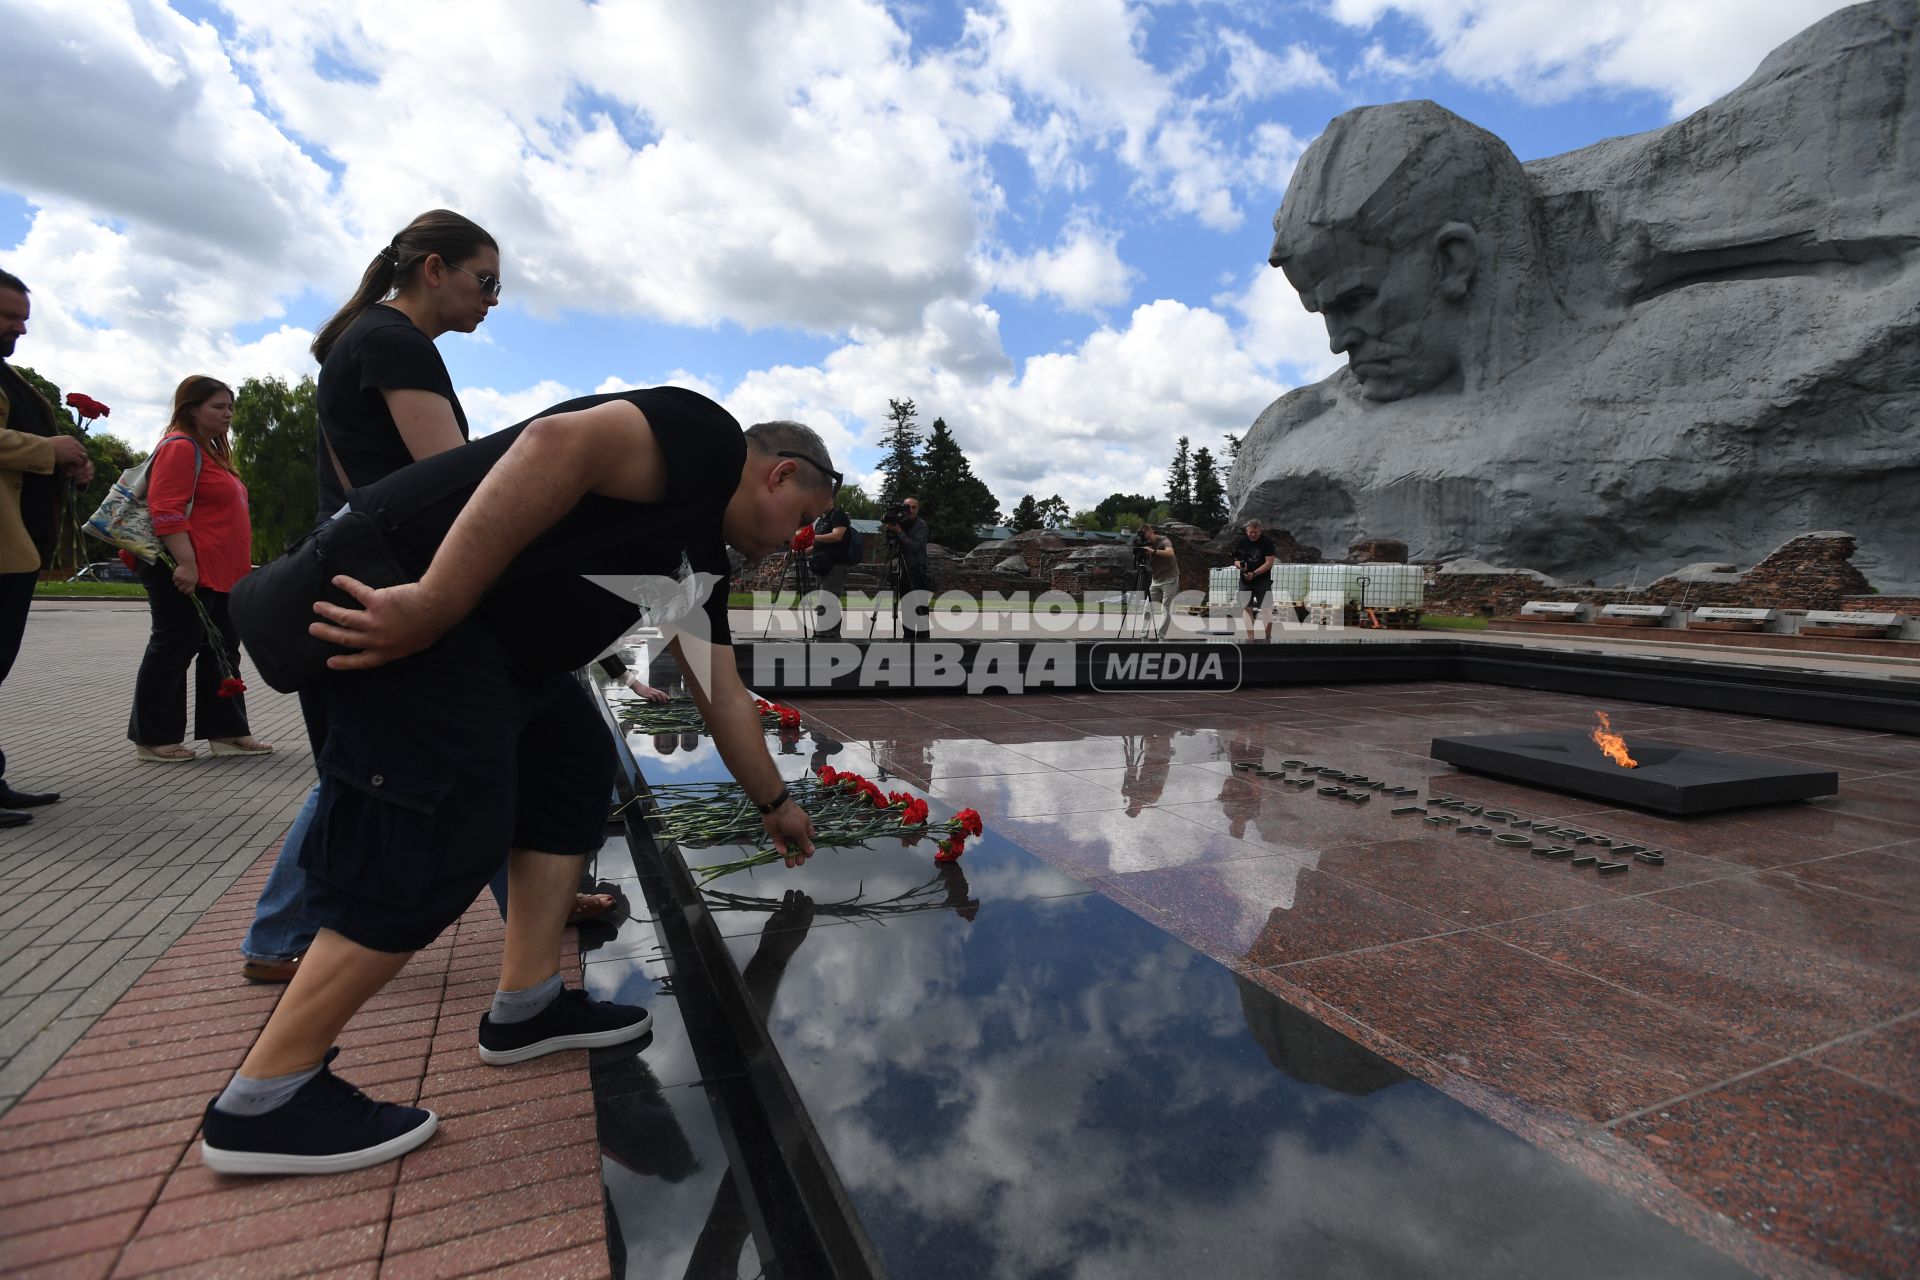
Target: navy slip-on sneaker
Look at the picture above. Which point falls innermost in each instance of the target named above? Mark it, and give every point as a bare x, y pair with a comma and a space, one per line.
572, 1021
327, 1127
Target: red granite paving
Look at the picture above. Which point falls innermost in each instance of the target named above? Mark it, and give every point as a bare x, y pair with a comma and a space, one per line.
1729, 1038
100, 1173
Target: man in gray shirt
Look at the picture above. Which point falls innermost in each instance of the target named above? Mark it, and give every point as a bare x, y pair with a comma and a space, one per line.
1164, 583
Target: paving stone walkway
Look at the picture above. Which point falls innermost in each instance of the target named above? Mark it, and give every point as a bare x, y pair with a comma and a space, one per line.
124, 1011
97, 886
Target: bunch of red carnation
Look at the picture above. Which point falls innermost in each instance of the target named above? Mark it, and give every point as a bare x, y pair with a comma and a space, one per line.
803, 540
231, 687
965, 823
785, 716
913, 811
86, 406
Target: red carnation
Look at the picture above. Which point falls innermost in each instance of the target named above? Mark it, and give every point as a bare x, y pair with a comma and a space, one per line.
951, 849
789, 718
803, 540
828, 775
86, 406
232, 687
915, 814
969, 821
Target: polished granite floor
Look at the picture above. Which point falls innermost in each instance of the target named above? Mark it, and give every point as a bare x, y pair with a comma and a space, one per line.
1729, 1039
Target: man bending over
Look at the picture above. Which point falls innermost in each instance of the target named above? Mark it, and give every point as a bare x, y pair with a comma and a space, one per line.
458, 736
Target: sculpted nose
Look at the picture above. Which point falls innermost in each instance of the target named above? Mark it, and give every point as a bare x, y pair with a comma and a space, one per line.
1342, 337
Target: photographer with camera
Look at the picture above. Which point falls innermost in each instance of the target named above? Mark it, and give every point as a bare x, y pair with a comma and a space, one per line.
907, 533
1153, 550
1254, 553
832, 557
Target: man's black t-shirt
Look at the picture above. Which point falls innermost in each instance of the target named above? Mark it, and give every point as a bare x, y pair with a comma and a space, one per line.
552, 618
833, 553
27, 412
382, 350
1250, 553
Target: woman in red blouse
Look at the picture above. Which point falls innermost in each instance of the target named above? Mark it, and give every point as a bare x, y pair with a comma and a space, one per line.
199, 510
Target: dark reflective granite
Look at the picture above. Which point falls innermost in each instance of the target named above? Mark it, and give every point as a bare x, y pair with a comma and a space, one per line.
1053, 1087
1013, 1076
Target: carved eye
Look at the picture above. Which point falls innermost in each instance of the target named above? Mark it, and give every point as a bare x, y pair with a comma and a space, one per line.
1352, 300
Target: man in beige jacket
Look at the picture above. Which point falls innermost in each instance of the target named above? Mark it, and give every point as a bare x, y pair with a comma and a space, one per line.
31, 451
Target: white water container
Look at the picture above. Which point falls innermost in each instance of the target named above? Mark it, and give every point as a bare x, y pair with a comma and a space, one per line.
1389, 586
1291, 582
1222, 585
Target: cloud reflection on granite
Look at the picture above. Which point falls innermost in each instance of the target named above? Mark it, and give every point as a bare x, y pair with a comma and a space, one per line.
1038, 1081
1057, 1088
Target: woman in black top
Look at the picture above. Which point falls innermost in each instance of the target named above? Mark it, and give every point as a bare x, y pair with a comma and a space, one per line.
385, 397
385, 400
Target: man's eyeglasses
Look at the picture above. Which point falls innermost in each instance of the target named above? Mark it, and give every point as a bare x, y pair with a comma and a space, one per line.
822, 467
489, 283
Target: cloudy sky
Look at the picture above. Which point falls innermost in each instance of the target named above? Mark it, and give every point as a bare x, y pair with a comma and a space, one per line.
1044, 220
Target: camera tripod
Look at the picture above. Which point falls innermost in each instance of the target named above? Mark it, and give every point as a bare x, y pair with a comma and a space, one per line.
796, 569
888, 581
1138, 627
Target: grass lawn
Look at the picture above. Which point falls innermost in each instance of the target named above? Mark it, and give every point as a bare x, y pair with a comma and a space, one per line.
1443, 622
88, 590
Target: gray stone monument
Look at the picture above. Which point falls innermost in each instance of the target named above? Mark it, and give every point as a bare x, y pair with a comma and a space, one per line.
1684, 345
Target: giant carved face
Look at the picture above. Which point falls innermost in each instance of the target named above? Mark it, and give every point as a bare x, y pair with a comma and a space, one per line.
1395, 313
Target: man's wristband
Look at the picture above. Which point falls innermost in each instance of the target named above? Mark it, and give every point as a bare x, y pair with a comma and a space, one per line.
774, 803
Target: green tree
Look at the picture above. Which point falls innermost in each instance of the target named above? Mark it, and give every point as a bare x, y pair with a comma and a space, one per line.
1088, 520
1233, 449
1026, 515
953, 500
901, 465
1111, 507
276, 433
1128, 521
854, 501
1054, 513
1180, 483
1209, 495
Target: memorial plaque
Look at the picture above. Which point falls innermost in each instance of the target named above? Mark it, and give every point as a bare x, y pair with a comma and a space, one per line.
1837, 618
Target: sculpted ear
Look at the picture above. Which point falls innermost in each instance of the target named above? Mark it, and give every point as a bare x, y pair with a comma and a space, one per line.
1456, 257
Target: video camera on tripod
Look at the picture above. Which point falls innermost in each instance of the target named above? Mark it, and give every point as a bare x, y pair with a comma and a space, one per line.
1142, 546
896, 515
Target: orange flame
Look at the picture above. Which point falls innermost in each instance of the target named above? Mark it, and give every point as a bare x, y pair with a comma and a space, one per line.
1612, 743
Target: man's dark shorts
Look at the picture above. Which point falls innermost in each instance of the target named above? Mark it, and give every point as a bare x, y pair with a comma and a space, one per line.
434, 767
1254, 592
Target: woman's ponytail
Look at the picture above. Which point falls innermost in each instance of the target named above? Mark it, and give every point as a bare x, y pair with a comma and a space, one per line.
437, 231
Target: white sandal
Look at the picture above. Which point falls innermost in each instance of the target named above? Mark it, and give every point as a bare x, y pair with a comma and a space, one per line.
216, 747
154, 756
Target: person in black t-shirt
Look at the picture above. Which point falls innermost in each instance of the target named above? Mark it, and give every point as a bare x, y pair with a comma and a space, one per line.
830, 561
1253, 553
32, 451
458, 735
910, 545
384, 396
385, 400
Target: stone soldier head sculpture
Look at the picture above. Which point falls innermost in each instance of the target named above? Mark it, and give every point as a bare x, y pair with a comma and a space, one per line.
1412, 233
